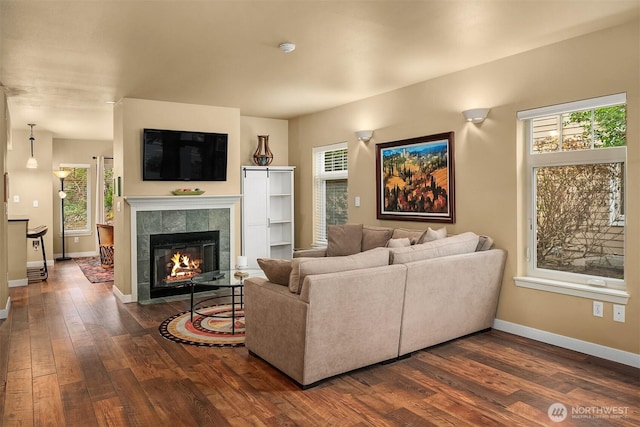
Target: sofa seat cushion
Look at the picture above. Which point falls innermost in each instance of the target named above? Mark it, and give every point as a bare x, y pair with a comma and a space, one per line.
345, 239
276, 270
459, 244
375, 237
302, 267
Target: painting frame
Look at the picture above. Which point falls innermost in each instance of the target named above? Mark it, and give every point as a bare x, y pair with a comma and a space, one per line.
431, 198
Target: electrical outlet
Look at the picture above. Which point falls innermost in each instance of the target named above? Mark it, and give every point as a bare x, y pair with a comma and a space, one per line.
36, 244
618, 313
598, 308
76, 239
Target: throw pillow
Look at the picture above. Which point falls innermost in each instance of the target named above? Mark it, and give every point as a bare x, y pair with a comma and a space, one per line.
399, 243
344, 239
375, 237
432, 234
414, 236
276, 270
302, 267
484, 243
294, 276
459, 244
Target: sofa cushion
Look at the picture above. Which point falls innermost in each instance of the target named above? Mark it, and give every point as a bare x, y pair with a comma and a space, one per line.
276, 270
375, 237
345, 239
432, 234
302, 267
415, 236
459, 244
399, 243
484, 243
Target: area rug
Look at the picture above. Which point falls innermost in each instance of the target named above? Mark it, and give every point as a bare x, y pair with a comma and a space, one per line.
205, 331
93, 270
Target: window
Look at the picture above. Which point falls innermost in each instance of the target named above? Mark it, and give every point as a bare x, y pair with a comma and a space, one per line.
330, 189
77, 212
104, 190
576, 171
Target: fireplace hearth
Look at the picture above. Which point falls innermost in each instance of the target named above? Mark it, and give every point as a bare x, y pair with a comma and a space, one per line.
177, 257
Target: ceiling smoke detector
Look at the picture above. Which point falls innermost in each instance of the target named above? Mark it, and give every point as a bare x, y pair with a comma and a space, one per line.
287, 47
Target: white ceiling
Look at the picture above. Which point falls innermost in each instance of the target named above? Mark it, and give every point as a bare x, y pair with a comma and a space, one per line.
62, 60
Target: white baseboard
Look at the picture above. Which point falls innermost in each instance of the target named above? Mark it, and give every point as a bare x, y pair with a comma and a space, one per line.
4, 313
38, 264
18, 282
78, 254
613, 354
122, 297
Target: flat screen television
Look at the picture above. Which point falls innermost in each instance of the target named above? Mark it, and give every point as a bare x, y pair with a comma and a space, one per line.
172, 155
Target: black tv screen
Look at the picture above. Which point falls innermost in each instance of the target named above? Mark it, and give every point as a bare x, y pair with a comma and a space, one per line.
172, 155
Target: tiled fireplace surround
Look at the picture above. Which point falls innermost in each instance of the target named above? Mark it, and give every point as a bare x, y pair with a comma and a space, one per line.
176, 214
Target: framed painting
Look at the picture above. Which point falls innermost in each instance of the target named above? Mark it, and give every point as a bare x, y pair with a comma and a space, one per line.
415, 179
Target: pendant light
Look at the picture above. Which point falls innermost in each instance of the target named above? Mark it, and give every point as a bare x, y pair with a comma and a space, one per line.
32, 163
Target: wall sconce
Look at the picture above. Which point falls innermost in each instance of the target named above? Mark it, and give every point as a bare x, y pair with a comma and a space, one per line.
476, 115
364, 135
32, 163
62, 175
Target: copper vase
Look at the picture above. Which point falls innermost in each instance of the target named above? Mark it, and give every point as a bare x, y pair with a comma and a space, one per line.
263, 156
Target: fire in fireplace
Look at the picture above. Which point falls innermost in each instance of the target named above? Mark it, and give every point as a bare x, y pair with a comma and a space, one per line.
177, 257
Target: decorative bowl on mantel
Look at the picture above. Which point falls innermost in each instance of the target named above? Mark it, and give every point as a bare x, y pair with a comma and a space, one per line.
187, 192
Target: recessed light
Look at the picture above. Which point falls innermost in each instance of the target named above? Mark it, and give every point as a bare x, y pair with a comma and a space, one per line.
287, 47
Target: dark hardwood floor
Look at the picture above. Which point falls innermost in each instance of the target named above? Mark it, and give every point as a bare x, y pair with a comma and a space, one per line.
71, 354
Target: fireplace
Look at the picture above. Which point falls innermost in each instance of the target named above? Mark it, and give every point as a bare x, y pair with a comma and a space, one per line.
177, 257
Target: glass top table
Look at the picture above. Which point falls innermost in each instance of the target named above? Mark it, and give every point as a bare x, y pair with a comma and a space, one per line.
231, 286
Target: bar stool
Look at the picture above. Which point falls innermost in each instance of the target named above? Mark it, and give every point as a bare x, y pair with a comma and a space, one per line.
38, 274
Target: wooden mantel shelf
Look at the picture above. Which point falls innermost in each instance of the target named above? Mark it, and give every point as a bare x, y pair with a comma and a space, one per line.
182, 202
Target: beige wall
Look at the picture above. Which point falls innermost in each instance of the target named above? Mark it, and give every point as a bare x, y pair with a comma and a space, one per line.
487, 160
132, 115
278, 131
32, 184
4, 284
75, 151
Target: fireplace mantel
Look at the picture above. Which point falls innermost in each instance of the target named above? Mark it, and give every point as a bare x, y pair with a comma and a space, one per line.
142, 204
161, 203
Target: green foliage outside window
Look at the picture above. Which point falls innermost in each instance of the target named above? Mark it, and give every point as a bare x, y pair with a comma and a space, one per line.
75, 204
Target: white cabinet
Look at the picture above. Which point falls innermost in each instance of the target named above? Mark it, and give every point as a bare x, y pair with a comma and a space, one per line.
267, 212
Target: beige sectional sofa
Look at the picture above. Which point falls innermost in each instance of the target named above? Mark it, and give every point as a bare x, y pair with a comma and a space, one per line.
316, 317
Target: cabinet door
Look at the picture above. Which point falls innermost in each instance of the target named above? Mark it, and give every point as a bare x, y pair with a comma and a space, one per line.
255, 229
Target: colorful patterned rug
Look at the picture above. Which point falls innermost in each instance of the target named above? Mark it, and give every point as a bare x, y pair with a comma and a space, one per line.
205, 331
93, 270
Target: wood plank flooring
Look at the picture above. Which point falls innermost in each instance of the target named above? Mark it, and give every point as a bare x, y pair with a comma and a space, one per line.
72, 355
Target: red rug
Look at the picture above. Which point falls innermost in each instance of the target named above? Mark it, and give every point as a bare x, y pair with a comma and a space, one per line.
205, 331
93, 270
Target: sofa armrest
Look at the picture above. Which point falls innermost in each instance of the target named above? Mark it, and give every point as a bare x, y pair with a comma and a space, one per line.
353, 319
312, 252
275, 325
450, 296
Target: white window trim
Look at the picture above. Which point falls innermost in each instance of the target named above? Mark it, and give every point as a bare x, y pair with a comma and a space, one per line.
319, 189
616, 296
560, 282
85, 231
570, 107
